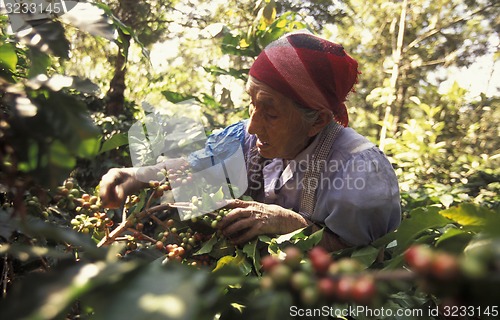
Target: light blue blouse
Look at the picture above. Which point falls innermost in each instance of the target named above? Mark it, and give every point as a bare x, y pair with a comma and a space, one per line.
357, 196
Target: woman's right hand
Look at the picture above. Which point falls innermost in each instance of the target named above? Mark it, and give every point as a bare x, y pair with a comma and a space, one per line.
117, 184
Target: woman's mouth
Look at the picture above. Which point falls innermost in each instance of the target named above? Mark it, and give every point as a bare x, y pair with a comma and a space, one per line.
262, 144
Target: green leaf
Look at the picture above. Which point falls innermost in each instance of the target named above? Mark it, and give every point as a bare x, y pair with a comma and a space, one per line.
287, 237
218, 196
454, 240
236, 73
40, 62
8, 56
88, 148
207, 246
176, 97
310, 241
420, 220
239, 261
152, 292
117, 140
366, 255
38, 228
468, 214
252, 253
269, 12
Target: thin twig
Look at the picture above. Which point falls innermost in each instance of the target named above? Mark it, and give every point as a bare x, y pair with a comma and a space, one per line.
122, 227
150, 200
5, 276
158, 221
115, 233
143, 235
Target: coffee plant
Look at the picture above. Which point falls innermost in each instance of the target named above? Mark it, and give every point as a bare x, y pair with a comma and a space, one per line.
63, 255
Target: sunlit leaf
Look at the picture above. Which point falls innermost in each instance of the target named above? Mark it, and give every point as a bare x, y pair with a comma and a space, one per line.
269, 12
446, 200
117, 140
289, 236
239, 261
468, 214
8, 57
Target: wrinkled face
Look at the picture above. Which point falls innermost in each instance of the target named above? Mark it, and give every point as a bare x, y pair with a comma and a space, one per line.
278, 124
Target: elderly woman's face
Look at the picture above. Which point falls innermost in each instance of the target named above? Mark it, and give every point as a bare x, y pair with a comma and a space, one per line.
278, 124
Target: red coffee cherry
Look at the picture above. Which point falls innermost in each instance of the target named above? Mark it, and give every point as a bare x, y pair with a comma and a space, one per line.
345, 288
419, 258
444, 266
269, 262
320, 259
327, 287
364, 290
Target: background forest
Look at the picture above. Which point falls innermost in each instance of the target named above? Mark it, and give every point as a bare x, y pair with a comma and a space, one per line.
72, 85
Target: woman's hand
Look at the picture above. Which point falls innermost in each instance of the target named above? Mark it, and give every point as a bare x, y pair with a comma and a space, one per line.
117, 184
249, 219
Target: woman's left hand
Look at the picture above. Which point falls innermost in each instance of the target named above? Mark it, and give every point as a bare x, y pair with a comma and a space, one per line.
249, 219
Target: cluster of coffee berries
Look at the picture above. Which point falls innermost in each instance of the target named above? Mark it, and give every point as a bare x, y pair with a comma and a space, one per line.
470, 278
181, 176
319, 279
159, 187
342, 280
87, 224
33, 206
175, 252
67, 195
181, 236
213, 219
88, 205
210, 219
429, 263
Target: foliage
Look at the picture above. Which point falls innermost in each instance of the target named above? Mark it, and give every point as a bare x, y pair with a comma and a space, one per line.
64, 255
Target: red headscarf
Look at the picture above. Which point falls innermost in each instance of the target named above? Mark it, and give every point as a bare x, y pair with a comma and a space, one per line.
315, 72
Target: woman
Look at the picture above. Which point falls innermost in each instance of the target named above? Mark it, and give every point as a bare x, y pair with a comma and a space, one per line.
305, 167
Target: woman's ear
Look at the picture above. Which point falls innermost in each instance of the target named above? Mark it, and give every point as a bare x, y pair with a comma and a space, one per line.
324, 118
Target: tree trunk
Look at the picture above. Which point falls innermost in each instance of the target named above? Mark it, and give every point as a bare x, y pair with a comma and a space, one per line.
115, 97
395, 75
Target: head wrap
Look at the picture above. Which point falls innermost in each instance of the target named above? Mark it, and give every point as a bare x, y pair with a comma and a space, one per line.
314, 72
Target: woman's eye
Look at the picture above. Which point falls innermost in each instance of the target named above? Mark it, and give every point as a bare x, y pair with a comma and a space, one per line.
272, 116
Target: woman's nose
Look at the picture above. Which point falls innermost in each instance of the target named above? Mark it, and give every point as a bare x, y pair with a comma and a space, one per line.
255, 122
